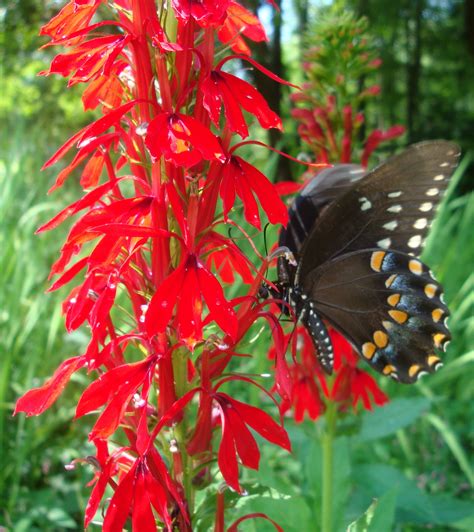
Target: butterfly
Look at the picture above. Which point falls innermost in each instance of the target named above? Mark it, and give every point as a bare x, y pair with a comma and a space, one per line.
356, 238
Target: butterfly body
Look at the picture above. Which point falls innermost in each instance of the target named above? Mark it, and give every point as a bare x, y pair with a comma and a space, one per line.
357, 263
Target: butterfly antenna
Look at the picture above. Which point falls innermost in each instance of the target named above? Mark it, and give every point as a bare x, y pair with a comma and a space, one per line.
265, 238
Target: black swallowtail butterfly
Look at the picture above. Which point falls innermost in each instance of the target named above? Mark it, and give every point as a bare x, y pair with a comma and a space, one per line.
356, 239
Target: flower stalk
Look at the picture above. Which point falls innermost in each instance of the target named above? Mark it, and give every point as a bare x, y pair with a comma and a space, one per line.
327, 479
151, 283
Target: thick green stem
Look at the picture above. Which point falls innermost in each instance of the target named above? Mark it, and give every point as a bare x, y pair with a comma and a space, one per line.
327, 467
183, 462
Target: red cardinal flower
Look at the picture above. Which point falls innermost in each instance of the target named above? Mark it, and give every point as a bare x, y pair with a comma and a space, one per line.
147, 231
227, 258
352, 384
72, 17
376, 137
239, 22
89, 59
37, 400
237, 440
188, 287
115, 389
105, 90
204, 12
182, 140
241, 178
147, 486
308, 385
306, 398
221, 88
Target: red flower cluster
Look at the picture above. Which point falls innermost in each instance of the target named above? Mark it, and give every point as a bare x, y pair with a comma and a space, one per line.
331, 131
311, 388
148, 255
330, 107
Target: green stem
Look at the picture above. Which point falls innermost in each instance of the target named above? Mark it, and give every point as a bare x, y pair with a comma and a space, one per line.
327, 468
180, 430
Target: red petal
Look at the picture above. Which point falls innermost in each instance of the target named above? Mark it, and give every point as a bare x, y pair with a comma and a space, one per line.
109, 384
244, 190
271, 203
212, 98
245, 443
250, 99
101, 309
232, 103
284, 188
158, 498
86, 201
261, 422
228, 185
92, 171
219, 308
37, 400
72, 17
142, 515
92, 130
190, 307
162, 303
226, 457
69, 274
119, 507
101, 484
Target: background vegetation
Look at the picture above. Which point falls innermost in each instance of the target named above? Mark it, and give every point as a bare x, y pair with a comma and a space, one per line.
414, 454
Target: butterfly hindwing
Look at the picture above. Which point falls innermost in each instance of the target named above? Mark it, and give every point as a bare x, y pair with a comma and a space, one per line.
388, 305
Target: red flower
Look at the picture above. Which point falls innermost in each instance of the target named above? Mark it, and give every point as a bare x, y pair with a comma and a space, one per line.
188, 287
352, 384
115, 389
89, 59
147, 231
228, 260
238, 441
182, 140
221, 88
239, 22
105, 90
241, 178
37, 400
147, 486
204, 12
376, 137
107, 468
308, 385
306, 396
72, 17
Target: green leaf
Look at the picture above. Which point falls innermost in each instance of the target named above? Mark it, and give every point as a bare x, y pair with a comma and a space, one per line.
60, 518
388, 419
455, 447
283, 509
379, 516
413, 505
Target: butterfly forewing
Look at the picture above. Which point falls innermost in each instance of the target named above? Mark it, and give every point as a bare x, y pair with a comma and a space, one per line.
323, 189
391, 207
